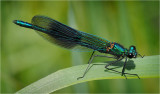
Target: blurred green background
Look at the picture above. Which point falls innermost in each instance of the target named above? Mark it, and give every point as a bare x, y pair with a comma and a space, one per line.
27, 57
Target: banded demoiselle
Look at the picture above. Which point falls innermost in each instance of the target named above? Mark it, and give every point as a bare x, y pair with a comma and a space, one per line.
70, 38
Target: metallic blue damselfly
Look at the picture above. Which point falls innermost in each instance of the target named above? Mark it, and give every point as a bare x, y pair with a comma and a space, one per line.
70, 38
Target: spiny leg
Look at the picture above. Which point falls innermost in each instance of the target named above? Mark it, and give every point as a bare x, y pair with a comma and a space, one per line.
122, 73
114, 62
124, 66
116, 71
132, 74
89, 62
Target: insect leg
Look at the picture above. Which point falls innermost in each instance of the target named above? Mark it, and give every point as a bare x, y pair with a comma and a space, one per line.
123, 73
113, 62
124, 66
91, 58
115, 70
133, 74
89, 62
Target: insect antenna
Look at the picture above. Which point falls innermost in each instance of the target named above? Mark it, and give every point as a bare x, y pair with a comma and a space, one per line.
141, 55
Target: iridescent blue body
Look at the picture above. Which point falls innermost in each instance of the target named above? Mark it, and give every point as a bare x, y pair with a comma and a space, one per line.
70, 38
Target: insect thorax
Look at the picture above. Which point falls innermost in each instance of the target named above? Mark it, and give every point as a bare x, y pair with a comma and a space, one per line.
116, 49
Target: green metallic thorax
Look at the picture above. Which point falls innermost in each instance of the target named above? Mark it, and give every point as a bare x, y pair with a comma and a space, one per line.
118, 50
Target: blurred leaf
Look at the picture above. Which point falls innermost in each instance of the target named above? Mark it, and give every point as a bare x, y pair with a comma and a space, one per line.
146, 67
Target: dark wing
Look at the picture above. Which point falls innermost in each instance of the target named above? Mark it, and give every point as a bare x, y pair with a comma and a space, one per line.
61, 34
66, 36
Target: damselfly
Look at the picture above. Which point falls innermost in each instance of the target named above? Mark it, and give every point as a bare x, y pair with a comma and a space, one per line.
70, 38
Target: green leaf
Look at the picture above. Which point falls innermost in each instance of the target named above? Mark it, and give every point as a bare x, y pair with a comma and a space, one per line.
147, 67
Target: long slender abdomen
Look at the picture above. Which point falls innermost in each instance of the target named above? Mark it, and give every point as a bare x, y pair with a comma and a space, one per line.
28, 25
53, 31
24, 24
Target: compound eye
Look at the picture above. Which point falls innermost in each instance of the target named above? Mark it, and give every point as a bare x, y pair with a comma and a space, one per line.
130, 55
